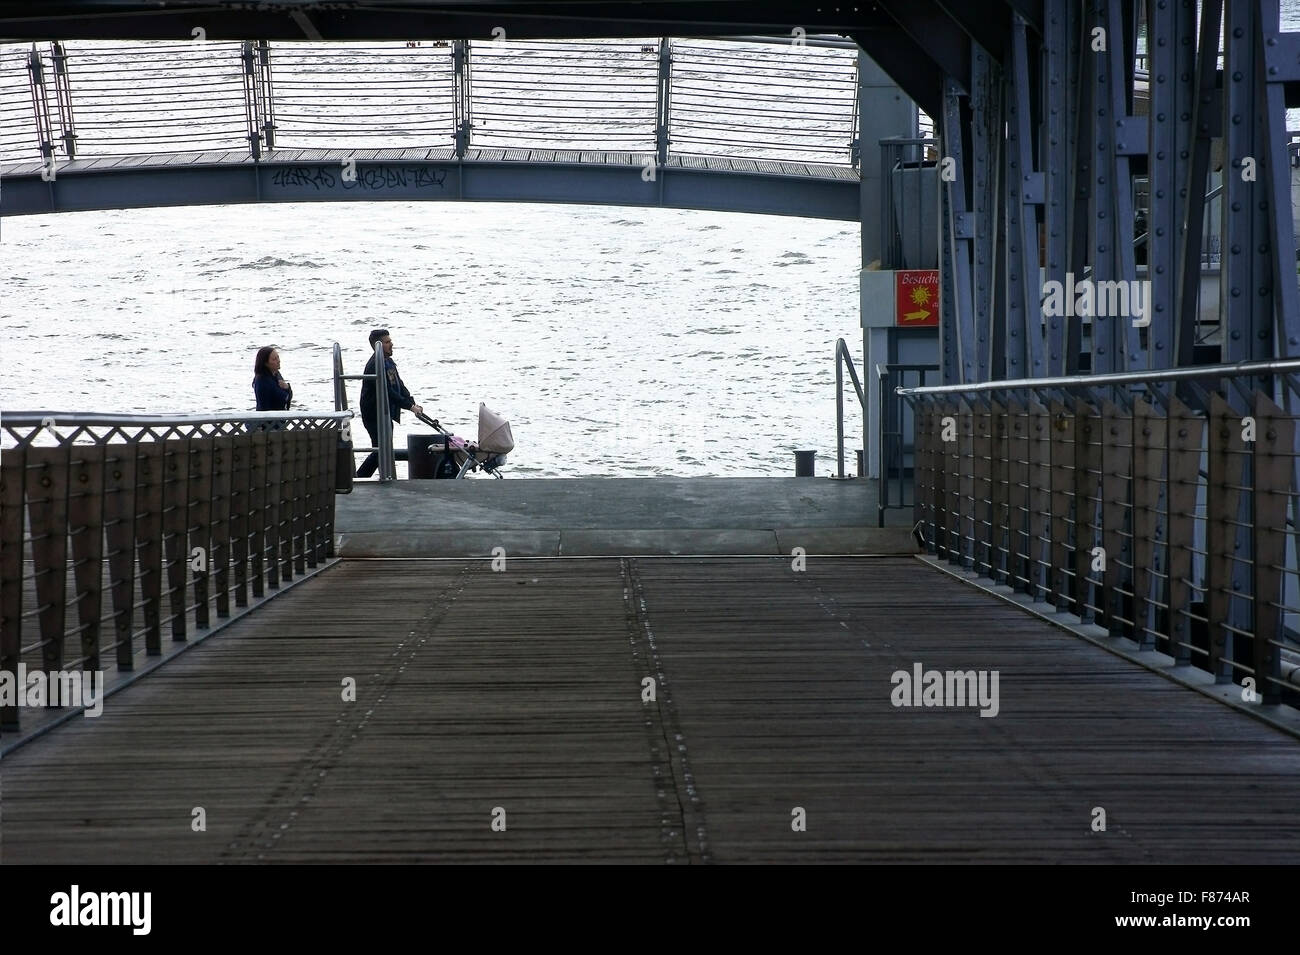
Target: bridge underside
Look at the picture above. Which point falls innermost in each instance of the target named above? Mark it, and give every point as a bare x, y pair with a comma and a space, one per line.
718, 184
522, 691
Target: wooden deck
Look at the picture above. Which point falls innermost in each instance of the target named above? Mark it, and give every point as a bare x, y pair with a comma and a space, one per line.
523, 690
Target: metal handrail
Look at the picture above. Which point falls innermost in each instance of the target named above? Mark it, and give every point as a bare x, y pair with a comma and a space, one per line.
843, 358
384, 419
383, 412
21, 429
530, 94
82, 418
1287, 366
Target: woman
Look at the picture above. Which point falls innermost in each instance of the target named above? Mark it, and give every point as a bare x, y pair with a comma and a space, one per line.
273, 392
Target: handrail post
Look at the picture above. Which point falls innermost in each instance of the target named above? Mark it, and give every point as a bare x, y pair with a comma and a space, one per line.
882, 497
664, 105
340, 387
40, 106
839, 410
267, 93
251, 98
63, 98
842, 355
461, 105
387, 463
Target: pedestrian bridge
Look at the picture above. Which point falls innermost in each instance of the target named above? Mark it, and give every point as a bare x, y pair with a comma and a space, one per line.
763, 127
684, 671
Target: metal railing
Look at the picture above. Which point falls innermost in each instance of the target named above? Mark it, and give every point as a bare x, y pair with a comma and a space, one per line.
896, 435
755, 100
1160, 506
383, 411
844, 359
180, 513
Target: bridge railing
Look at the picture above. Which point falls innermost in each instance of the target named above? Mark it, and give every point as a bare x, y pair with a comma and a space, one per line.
661, 96
117, 528
1160, 506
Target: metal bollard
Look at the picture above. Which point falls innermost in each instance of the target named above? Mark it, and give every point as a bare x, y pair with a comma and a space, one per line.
803, 463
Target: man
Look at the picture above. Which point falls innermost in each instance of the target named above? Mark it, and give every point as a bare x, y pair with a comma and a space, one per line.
398, 398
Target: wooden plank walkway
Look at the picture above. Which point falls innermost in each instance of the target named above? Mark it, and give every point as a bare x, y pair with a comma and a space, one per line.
523, 690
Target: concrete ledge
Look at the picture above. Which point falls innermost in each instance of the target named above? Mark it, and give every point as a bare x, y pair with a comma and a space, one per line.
618, 517
629, 542
453, 543
860, 541
703, 542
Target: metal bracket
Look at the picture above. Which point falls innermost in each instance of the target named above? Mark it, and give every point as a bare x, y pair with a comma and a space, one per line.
1131, 135
1033, 189
1282, 57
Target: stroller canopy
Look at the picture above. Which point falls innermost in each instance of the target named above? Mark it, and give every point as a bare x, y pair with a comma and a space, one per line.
493, 432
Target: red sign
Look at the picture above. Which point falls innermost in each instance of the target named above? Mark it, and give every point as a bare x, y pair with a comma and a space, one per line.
916, 298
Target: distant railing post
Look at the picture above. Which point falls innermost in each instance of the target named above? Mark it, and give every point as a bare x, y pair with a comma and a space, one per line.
40, 105
664, 101
63, 97
252, 111
462, 118
267, 94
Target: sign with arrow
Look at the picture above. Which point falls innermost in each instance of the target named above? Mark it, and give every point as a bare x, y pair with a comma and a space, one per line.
916, 298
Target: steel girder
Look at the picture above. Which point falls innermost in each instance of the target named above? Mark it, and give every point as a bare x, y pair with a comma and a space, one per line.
1054, 130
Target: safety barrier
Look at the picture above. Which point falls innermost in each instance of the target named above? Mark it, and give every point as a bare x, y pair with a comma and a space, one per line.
180, 514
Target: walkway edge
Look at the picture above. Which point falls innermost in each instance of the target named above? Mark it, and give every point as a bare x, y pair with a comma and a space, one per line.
1281, 717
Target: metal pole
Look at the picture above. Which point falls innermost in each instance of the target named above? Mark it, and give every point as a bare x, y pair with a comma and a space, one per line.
387, 464
340, 389
461, 104
839, 414
251, 117
63, 97
1288, 367
267, 94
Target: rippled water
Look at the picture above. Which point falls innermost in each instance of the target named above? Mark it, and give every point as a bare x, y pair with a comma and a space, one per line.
618, 342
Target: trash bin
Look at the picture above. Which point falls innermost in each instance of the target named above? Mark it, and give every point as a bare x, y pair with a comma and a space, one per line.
803, 463
345, 464
428, 457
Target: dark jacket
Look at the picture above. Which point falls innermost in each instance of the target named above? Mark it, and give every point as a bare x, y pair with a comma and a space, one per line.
398, 396
270, 395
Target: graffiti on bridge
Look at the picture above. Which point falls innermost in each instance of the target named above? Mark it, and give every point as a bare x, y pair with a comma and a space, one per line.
370, 178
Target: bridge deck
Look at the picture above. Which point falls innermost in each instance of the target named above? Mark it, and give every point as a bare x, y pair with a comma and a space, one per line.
522, 690
424, 154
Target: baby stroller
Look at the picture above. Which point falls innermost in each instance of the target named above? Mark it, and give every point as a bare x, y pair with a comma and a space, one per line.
459, 457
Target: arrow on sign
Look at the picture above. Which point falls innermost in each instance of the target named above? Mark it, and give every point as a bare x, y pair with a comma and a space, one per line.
917, 316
